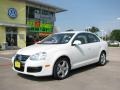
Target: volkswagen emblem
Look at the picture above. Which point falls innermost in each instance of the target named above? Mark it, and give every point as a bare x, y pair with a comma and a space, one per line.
12, 12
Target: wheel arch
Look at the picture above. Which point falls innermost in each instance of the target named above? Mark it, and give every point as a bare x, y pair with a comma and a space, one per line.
99, 62
100, 52
62, 56
103, 51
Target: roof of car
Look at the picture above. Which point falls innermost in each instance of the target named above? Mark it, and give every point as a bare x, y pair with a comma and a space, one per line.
75, 32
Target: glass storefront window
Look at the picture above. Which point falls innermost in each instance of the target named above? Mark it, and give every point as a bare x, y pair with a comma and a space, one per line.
11, 36
40, 20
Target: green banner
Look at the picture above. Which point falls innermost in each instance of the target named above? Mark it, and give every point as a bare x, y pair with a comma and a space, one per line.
40, 26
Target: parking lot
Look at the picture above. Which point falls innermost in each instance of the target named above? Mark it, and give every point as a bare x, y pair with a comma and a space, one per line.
91, 77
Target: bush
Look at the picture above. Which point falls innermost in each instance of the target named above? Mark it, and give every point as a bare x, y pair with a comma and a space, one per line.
0, 47
113, 45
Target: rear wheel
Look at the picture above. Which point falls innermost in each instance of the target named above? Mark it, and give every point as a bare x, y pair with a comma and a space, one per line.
102, 59
61, 69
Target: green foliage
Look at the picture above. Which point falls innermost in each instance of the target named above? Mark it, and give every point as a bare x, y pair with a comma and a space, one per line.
93, 29
0, 47
113, 45
115, 35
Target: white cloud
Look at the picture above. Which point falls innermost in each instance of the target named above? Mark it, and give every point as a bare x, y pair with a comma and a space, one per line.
118, 18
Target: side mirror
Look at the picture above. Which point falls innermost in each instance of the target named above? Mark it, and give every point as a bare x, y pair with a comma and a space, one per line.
77, 42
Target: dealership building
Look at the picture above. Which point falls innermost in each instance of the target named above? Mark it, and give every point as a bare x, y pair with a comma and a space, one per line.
23, 20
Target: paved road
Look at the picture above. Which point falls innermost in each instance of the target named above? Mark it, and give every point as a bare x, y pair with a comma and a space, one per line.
88, 78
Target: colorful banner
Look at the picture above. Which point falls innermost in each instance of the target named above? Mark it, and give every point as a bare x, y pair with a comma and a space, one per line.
40, 20
40, 26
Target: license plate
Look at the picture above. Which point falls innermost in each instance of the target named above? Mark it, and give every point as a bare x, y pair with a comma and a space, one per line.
17, 64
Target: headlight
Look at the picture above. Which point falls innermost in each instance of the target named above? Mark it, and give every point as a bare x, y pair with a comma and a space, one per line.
39, 56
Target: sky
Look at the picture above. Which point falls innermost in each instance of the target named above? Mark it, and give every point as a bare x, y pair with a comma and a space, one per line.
81, 14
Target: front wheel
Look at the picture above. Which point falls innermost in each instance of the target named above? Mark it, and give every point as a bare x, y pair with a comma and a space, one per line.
102, 59
61, 69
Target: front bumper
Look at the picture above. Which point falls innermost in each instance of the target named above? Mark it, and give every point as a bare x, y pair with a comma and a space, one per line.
34, 68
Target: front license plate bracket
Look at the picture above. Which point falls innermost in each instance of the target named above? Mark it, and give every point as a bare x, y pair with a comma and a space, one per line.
17, 64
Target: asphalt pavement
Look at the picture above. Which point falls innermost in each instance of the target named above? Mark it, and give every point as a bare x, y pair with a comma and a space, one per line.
91, 77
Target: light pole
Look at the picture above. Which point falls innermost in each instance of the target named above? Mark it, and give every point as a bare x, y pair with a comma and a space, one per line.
103, 34
88, 29
118, 20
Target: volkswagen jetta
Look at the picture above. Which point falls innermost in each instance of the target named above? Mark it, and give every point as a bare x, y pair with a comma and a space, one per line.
59, 53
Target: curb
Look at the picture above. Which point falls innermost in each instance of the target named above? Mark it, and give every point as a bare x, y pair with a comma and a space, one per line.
8, 52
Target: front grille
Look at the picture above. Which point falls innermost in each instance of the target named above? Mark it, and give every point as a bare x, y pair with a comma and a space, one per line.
21, 57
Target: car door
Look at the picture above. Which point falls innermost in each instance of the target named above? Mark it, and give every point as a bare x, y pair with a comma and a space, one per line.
94, 46
80, 53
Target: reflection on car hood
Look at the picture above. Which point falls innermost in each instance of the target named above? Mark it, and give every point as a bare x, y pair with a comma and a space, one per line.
36, 48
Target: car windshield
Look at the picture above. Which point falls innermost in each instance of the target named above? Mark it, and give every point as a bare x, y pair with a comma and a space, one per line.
57, 38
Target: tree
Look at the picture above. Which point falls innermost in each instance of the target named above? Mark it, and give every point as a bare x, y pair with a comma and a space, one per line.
115, 35
93, 29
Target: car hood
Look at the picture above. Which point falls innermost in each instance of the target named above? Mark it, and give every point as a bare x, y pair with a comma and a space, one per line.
36, 48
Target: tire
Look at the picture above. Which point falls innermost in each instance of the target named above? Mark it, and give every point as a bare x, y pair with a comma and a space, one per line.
102, 59
61, 69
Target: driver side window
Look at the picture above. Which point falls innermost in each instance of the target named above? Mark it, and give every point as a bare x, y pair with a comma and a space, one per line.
81, 37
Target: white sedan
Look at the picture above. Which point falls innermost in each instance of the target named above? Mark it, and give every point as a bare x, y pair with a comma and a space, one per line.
59, 53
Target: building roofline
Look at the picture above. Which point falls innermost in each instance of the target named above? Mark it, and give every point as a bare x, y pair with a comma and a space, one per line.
57, 9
